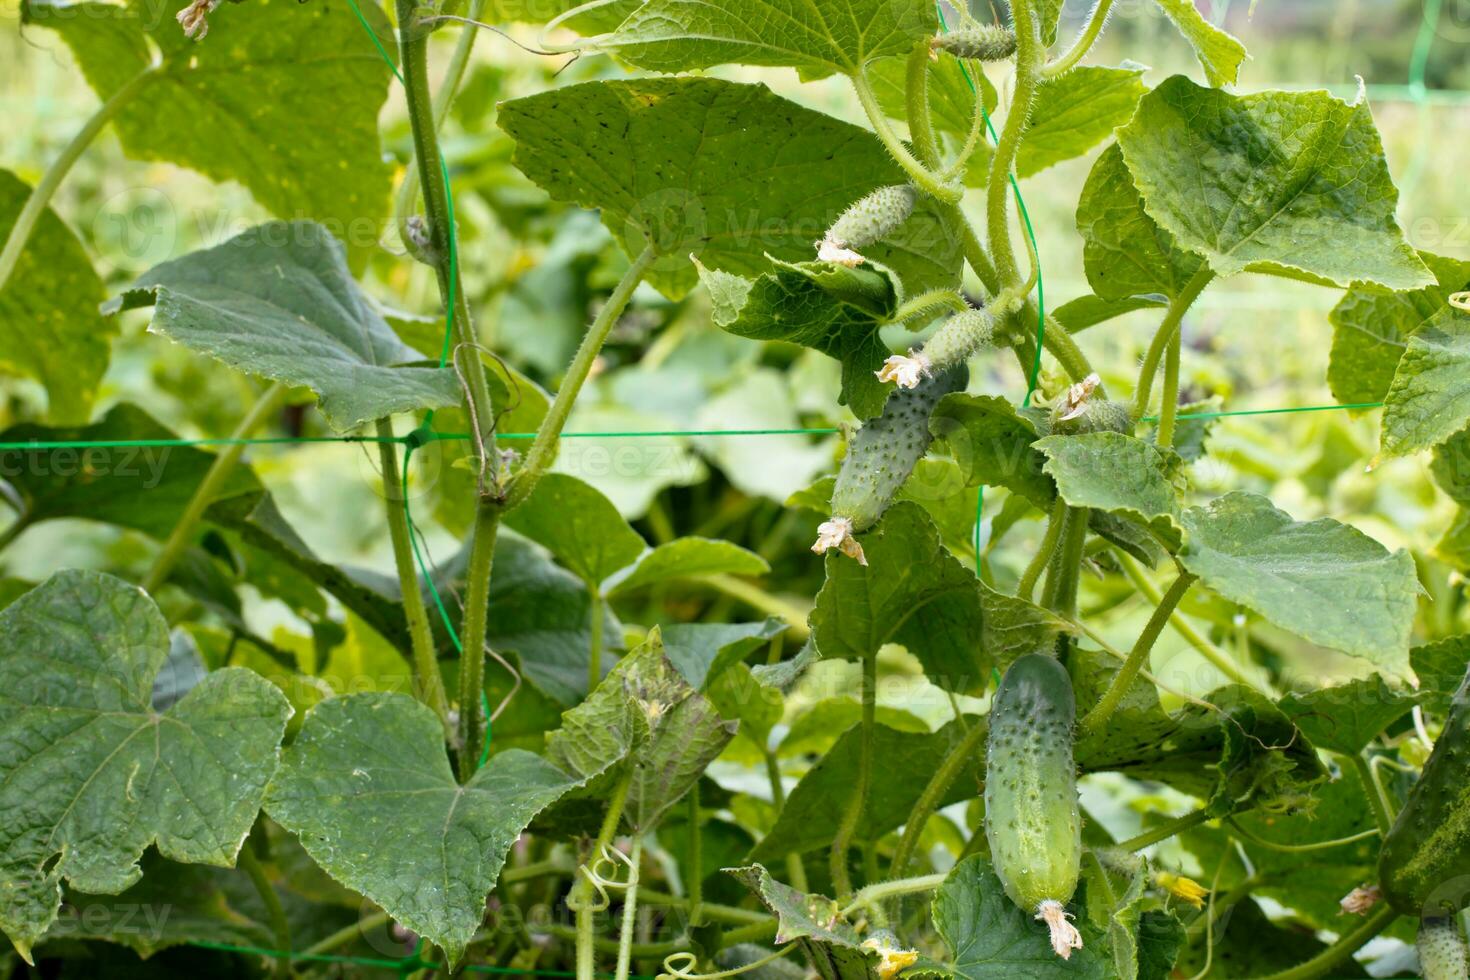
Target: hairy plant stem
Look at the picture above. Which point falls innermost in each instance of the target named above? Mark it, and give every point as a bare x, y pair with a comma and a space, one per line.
997, 193
1169, 410
408, 190
924, 179
421, 637
1084, 42
857, 802
884, 890
693, 873
930, 303
964, 752
1327, 961
1322, 845
1097, 719
347, 934
630, 909
472, 720
1173, 317
548, 437
795, 869
182, 535
916, 91
1032, 574
1181, 623
41, 194
275, 913
1165, 830
1373, 789
1060, 594
597, 604
413, 52
579, 899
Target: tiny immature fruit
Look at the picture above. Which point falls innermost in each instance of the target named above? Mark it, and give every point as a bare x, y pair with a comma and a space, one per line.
880, 458
1442, 951
1031, 817
960, 337
867, 222
984, 42
1425, 859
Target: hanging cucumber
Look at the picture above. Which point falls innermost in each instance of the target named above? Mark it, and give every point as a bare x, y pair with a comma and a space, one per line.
880, 458
960, 337
983, 42
1031, 818
1424, 864
1442, 951
867, 222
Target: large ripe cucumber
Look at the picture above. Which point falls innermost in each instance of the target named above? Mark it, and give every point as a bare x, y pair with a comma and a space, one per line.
1031, 817
886, 449
1424, 864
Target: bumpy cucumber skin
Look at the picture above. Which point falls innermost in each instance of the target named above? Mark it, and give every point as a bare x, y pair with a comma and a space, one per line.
1424, 864
1099, 416
983, 43
873, 218
959, 338
1442, 951
1031, 817
887, 448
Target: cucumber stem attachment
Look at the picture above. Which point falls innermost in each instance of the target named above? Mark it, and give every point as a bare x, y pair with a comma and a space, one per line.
923, 178
857, 802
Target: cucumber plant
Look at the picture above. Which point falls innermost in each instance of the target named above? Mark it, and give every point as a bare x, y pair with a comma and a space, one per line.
584, 682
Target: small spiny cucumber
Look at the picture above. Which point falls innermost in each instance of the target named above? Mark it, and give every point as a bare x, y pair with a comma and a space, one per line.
983, 42
866, 222
1424, 864
1031, 817
880, 458
1442, 951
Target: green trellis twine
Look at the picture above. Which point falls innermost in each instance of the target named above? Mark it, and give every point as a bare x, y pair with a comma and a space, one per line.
425, 434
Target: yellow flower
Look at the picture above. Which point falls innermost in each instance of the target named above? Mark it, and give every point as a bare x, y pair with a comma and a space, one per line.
1182, 888
891, 959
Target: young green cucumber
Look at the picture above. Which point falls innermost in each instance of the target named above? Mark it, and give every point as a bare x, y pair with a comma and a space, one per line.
1424, 864
880, 458
1031, 818
984, 42
867, 222
957, 339
1442, 951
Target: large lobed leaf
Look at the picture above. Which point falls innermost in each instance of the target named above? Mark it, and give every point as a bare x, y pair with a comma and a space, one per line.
1219, 53
1289, 183
1119, 474
278, 301
91, 774
818, 38
50, 329
282, 97
727, 172
1076, 112
367, 788
1429, 400
1321, 580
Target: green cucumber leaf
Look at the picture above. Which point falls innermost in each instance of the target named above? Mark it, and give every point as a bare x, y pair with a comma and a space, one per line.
1250, 944
788, 306
992, 442
834, 37
277, 300
1440, 667
1321, 580
90, 774
687, 558
1219, 53
1015, 627
1429, 401
912, 591
1118, 474
989, 938
1114, 899
829, 941
909, 758
1076, 112
145, 488
1297, 181
1371, 329
367, 789
1089, 311
818, 727
644, 722
725, 171
50, 329
701, 652
578, 525
1125, 252
283, 98
1347, 717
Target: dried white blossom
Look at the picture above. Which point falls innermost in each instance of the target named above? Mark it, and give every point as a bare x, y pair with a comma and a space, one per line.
1360, 900
1064, 935
839, 253
837, 533
905, 370
1074, 403
194, 18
